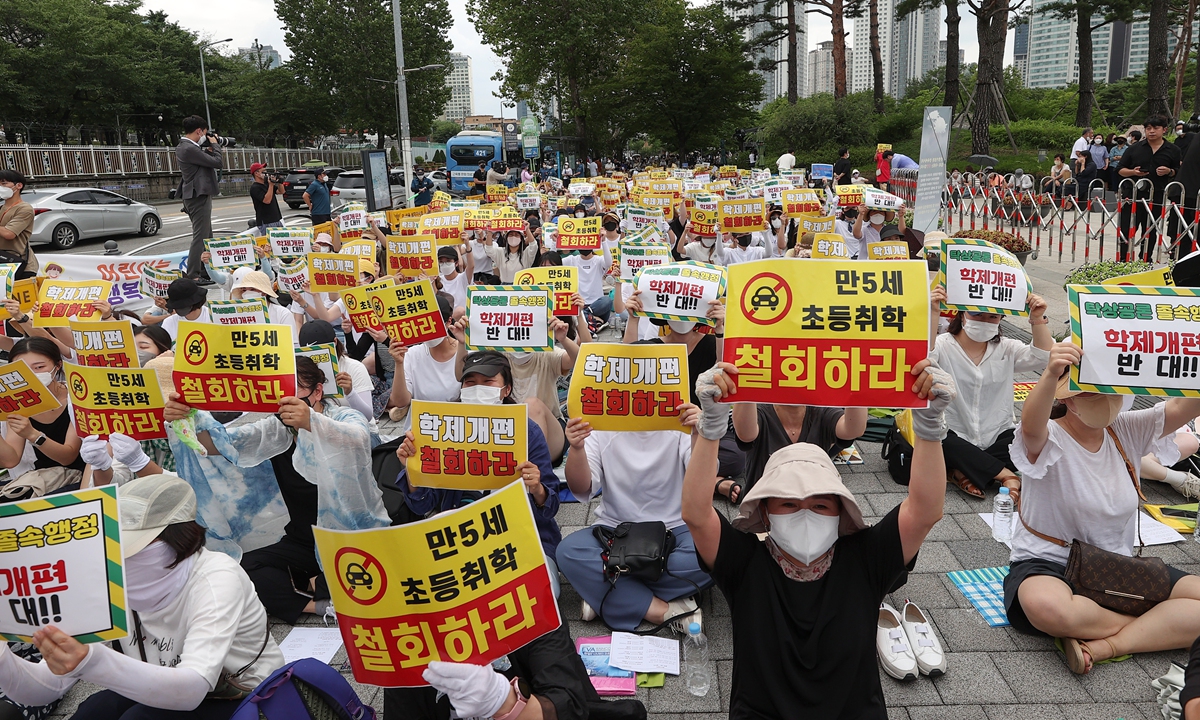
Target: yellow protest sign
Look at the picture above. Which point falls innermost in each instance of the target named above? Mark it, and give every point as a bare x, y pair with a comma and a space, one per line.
329, 228
630, 387
887, 250
331, 272
25, 292
466, 586
477, 218
407, 221
21, 393
1158, 277
578, 233
247, 368
358, 305
106, 343
409, 312
412, 256
814, 223
657, 201
880, 147
495, 193
849, 195
446, 226
61, 300
827, 332
830, 246
742, 216
108, 400
670, 186
563, 278
461, 446
440, 201
799, 201
506, 219
362, 247
8, 272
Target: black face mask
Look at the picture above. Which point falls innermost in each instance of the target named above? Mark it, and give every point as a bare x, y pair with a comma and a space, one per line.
610, 226
744, 241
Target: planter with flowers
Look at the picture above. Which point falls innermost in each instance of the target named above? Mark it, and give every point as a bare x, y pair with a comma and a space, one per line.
1012, 243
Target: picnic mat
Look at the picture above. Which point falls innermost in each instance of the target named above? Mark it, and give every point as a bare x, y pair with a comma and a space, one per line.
849, 456
985, 589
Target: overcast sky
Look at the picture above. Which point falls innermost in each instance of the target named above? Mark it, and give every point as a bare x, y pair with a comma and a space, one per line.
256, 20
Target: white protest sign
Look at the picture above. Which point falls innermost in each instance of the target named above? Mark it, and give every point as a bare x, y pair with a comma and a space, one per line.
680, 291
578, 189
325, 356
352, 220
509, 318
154, 282
637, 255
231, 252
637, 217
293, 276
879, 200
238, 312
290, 241
981, 277
528, 201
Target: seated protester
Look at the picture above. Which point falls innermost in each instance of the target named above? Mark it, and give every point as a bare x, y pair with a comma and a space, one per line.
709, 250
639, 477
484, 268
610, 233
805, 602
321, 455
186, 300
518, 253
487, 379
151, 341
51, 434
425, 371
1183, 481
306, 305
1189, 696
100, 454
703, 348
255, 285
1078, 456
456, 274
352, 376
875, 220
802, 248
983, 365
844, 226
592, 268
201, 632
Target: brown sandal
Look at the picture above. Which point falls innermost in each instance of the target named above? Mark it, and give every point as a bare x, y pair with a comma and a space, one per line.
1079, 655
959, 480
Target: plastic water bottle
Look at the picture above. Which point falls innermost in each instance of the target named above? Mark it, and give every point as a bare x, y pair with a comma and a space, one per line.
695, 661
1002, 516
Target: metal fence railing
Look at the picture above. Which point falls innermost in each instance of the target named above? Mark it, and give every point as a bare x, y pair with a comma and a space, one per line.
87, 161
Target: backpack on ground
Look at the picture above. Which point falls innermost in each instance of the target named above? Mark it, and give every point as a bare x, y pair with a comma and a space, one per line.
304, 689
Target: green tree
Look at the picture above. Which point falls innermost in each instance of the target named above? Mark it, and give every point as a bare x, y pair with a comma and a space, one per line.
443, 130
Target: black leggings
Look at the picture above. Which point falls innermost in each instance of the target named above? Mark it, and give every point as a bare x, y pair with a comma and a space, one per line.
979, 465
277, 570
108, 705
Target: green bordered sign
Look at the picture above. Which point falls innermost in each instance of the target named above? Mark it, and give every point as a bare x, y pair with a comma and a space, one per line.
982, 277
680, 291
60, 564
1136, 340
509, 318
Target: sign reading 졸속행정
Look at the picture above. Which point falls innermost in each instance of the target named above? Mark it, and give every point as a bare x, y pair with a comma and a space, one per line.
831, 333
21, 393
462, 446
358, 305
509, 318
578, 233
680, 291
239, 312
830, 246
61, 565
563, 278
637, 255
887, 250
331, 272
116, 400
230, 253
325, 356
154, 282
1136, 340
742, 216
469, 585
61, 300
106, 343
248, 368
409, 312
290, 241
981, 277
630, 387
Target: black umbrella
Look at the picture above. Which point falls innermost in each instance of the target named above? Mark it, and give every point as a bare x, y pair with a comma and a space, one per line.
982, 160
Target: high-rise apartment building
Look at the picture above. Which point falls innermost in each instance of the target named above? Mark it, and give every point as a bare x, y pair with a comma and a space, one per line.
1119, 50
820, 68
910, 48
461, 103
775, 77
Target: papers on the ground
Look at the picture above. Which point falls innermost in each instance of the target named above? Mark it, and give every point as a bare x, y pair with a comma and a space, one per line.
311, 642
644, 654
1153, 532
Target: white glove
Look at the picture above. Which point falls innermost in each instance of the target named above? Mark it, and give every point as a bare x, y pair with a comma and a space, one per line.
930, 423
714, 420
94, 452
128, 451
475, 691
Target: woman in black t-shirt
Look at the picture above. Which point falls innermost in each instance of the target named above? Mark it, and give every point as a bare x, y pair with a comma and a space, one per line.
805, 602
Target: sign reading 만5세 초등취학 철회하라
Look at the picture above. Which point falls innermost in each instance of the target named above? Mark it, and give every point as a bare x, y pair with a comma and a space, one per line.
116, 400
630, 387
248, 368
831, 333
981, 277
409, 312
1136, 340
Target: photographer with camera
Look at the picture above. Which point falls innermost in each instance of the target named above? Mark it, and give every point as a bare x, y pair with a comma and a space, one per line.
199, 157
263, 195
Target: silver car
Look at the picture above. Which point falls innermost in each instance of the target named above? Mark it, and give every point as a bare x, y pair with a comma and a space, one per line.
351, 187
65, 215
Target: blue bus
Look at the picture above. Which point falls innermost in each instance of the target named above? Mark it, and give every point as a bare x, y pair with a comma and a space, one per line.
466, 150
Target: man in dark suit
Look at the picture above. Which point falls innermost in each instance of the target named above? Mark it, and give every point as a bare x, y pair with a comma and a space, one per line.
199, 164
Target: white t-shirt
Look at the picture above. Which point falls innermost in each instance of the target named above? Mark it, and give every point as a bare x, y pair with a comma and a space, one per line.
358, 373
457, 289
591, 275
483, 262
846, 230
738, 254
1072, 494
428, 379
215, 623
695, 250
641, 474
171, 324
787, 161
1081, 144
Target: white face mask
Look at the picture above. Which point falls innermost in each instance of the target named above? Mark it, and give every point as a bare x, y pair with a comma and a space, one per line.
446, 269
514, 240
431, 344
980, 331
681, 327
480, 395
775, 223
707, 241
579, 214
804, 534
149, 584
876, 219
252, 294
5, 192
45, 377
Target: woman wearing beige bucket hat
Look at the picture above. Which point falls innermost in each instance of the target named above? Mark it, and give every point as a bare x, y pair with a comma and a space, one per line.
255, 285
1077, 452
806, 601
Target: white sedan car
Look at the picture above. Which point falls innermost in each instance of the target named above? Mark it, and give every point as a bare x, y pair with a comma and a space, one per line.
63, 216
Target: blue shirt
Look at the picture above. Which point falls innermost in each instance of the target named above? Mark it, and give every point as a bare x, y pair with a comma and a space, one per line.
319, 194
423, 186
902, 162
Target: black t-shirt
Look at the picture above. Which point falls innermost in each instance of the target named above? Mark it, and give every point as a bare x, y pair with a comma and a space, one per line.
842, 167
481, 178
300, 497
264, 212
677, 228
1141, 155
701, 358
807, 649
819, 428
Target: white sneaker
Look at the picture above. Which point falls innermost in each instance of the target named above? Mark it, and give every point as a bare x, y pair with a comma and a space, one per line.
891, 643
586, 613
931, 659
1190, 488
680, 606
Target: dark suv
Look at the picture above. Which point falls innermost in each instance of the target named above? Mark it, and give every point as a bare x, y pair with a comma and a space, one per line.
297, 182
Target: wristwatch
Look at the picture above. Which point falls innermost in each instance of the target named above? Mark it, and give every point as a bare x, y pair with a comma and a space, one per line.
522, 691
41, 440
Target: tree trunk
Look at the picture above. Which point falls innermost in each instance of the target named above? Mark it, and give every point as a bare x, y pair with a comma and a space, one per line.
1184, 54
1087, 66
952, 69
792, 66
992, 30
1196, 89
580, 119
876, 58
1158, 64
837, 14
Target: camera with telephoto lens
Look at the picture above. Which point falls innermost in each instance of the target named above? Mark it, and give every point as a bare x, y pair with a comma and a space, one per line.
1193, 124
225, 142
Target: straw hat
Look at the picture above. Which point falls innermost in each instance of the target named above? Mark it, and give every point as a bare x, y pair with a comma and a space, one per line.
254, 280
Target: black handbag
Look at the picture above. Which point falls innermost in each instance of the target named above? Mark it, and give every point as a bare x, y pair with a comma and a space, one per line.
639, 550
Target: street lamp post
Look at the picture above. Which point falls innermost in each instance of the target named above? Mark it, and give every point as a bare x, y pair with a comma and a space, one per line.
204, 80
402, 101
402, 125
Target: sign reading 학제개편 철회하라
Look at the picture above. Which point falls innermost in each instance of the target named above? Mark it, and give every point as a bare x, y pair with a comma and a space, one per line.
248, 368
106, 343
630, 387
981, 277
464, 446
59, 301
831, 333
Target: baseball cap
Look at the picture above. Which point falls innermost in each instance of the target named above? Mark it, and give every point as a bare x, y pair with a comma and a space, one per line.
486, 362
149, 504
796, 472
316, 332
890, 231
256, 167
